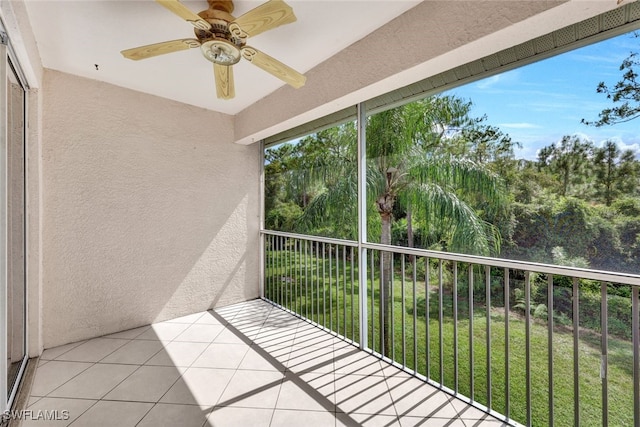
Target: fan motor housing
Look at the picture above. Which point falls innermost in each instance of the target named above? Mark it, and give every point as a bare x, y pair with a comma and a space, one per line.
221, 51
217, 44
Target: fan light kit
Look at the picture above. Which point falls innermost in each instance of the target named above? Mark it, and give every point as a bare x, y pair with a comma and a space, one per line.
222, 39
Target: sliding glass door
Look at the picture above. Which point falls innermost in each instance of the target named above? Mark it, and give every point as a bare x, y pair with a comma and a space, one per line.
16, 278
12, 229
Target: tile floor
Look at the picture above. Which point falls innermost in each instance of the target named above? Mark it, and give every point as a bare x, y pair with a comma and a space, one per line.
249, 364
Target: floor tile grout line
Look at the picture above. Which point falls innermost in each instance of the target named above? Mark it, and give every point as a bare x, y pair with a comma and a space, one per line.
87, 342
111, 337
393, 401
146, 413
78, 344
128, 341
310, 390
64, 361
84, 412
110, 390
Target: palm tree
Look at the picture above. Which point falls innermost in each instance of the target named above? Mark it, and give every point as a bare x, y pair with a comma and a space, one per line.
410, 166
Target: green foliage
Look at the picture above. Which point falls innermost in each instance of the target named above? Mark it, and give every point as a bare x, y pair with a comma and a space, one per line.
560, 258
537, 310
283, 216
440, 178
625, 95
567, 160
616, 172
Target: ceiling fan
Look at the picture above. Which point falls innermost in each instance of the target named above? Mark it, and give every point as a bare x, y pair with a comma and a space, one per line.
222, 39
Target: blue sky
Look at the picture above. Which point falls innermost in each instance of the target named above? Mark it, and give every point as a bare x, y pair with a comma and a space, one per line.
539, 103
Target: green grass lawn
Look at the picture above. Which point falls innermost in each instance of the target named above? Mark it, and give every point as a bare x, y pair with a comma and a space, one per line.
323, 292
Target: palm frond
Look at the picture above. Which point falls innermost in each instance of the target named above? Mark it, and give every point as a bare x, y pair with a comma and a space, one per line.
445, 211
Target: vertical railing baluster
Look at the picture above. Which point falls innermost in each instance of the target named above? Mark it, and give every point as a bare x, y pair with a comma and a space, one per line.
507, 355
273, 268
267, 257
635, 321
576, 352
344, 290
527, 343
338, 281
282, 268
306, 279
283, 273
295, 269
276, 256
300, 269
440, 319
471, 352
382, 301
337, 290
324, 285
353, 310
604, 363
404, 310
292, 273
317, 301
373, 330
331, 287
285, 276
267, 267
550, 345
415, 316
393, 315
426, 317
487, 284
455, 326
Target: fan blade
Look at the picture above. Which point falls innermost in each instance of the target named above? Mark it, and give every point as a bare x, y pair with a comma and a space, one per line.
225, 88
156, 49
274, 67
269, 15
185, 13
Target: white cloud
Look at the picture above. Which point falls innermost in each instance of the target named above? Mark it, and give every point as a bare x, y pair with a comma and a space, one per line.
633, 147
489, 82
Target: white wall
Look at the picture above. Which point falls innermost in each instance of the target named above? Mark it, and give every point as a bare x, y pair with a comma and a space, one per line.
149, 210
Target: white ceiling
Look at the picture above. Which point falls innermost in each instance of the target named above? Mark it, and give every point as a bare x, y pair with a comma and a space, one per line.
75, 36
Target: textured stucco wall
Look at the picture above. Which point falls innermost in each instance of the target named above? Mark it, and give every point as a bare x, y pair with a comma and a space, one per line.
150, 210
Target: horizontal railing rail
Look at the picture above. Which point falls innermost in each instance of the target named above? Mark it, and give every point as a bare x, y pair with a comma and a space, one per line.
533, 344
582, 273
320, 239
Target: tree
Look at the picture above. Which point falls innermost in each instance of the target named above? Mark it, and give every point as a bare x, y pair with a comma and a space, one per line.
625, 95
605, 167
616, 170
567, 159
410, 166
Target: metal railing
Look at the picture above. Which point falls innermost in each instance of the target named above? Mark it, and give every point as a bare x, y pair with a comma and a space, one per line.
529, 343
